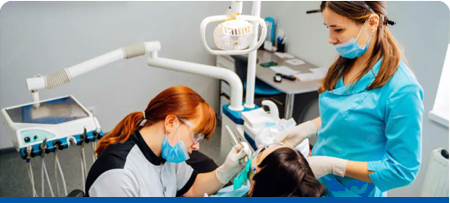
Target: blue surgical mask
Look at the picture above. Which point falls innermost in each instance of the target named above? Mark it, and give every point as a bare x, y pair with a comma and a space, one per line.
177, 153
351, 49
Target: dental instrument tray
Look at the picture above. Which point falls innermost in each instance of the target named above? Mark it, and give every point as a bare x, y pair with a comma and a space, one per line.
60, 121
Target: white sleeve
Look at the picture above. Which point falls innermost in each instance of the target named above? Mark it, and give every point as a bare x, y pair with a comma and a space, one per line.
114, 183
185, 178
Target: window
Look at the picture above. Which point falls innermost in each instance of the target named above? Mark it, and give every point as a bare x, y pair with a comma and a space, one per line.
440, 112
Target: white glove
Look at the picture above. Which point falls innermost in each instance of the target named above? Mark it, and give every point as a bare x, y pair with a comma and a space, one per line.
232, 165
324, 165
295, 135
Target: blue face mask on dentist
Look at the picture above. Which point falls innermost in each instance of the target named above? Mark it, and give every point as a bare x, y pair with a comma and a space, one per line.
177, 153
351, 49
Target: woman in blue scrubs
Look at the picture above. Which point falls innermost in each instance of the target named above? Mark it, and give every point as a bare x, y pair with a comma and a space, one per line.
370, 125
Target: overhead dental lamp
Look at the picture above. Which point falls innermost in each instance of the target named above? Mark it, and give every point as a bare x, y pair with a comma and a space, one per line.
235, 35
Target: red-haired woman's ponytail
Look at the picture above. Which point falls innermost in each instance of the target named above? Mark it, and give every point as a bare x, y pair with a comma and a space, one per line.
121, 132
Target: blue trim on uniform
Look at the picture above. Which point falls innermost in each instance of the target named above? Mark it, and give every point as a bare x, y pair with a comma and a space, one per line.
236, 116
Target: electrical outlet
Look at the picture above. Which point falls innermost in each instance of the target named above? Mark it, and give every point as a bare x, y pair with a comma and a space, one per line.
91, 109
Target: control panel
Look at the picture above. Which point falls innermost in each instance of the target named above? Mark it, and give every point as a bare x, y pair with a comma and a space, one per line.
31, 136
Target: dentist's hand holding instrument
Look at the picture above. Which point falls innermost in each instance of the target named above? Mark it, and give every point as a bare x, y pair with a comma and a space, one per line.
232, 164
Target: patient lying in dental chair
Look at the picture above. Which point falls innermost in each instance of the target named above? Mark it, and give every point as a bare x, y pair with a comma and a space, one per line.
275, 171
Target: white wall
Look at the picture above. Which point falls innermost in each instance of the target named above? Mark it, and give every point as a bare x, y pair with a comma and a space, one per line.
423, 30
43, 37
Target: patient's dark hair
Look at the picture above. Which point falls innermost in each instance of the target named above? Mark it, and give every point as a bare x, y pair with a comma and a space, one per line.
286, 173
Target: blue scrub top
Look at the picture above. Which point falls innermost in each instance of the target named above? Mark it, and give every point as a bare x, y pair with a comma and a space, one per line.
382, 126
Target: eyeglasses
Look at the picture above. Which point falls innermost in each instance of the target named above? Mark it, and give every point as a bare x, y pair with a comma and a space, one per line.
198, 137
260, 150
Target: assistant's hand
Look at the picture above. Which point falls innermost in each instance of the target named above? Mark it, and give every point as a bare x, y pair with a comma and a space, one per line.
324, 165
232, 165
295, 135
